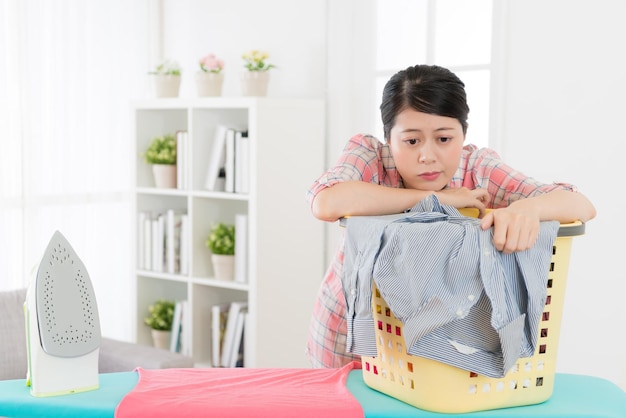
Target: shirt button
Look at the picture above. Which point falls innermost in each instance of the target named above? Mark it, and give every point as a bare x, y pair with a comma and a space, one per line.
459, 313
353, 292
470, 297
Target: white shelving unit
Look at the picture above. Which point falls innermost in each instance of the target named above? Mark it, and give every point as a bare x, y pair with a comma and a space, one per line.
285, 245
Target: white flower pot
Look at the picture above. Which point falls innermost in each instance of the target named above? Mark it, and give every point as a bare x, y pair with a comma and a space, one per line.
255, 83
161, 339
209, 84
166, 85
223, 266
164, 175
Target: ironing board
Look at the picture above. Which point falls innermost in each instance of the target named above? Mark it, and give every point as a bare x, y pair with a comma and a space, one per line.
574, 396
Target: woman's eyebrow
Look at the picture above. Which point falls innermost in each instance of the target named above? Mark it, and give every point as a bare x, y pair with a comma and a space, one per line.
443, 128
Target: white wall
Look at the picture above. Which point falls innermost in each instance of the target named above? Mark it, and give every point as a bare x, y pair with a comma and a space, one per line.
563, 120
558, 117
292, 32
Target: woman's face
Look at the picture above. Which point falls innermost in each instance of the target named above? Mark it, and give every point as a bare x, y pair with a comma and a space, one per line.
426, 149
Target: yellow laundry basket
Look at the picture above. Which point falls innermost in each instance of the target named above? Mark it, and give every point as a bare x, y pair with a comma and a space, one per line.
438, 387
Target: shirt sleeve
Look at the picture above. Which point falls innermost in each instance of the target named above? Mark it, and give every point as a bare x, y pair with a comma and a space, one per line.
361, 159
505, 184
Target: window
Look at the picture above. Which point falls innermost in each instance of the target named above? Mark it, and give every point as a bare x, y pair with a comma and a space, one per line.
452, 33
65, 116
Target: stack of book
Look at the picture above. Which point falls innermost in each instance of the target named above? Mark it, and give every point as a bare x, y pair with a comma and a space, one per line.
178, 343
162, 241
228, 327
229, 162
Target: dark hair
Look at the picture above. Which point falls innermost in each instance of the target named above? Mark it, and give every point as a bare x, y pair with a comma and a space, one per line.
425, 88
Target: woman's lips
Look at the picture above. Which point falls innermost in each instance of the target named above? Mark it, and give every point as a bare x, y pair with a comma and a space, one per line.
430, 176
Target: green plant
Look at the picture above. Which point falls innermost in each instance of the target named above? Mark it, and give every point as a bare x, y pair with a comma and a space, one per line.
161, 315
167, 67
221, 239
255, 61
162, 150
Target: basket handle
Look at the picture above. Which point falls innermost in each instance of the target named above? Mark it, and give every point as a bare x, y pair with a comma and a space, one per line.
570, 229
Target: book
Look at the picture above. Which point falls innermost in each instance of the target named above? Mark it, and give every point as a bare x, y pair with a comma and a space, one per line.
236, 355
242, 162
147, 242
185, 329
184, 244
172, 240
141, 236
154, 252
230, 334
158, 243
241, 248
248, 345
177, 325
219, 317
182, 157
216, 159
186, 162
229, 161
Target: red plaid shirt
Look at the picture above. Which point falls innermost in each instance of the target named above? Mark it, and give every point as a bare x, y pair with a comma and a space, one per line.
365, 158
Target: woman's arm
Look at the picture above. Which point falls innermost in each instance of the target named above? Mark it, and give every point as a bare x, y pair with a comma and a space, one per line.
358, 198
560, 205
516, 227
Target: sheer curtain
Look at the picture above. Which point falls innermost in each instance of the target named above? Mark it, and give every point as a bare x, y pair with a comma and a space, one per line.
68, 71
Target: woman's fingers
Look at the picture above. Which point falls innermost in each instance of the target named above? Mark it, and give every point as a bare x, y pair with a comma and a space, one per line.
511, 232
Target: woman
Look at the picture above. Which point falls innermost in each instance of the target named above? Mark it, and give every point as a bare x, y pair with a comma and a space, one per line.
424, 113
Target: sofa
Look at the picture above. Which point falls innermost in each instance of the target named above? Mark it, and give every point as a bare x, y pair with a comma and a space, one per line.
115, 356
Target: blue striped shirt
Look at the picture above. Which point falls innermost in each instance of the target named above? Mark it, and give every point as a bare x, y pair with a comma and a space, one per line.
461, 301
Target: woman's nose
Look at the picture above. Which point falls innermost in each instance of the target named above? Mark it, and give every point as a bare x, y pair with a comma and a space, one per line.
426, 155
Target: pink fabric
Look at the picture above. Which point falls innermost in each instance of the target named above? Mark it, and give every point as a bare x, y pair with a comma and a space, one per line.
241, 392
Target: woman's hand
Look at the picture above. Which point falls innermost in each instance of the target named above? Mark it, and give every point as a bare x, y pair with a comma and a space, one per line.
515, 228
464, 198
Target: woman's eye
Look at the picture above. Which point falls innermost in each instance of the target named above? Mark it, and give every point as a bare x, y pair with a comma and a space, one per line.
445, 139
411, 141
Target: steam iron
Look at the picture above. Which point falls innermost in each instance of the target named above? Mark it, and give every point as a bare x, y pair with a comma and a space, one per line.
62, 324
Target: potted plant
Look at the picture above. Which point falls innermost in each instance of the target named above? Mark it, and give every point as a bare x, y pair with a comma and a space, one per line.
221, 242
255, 79
160, 319
166, 78
161, 153
210, 78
